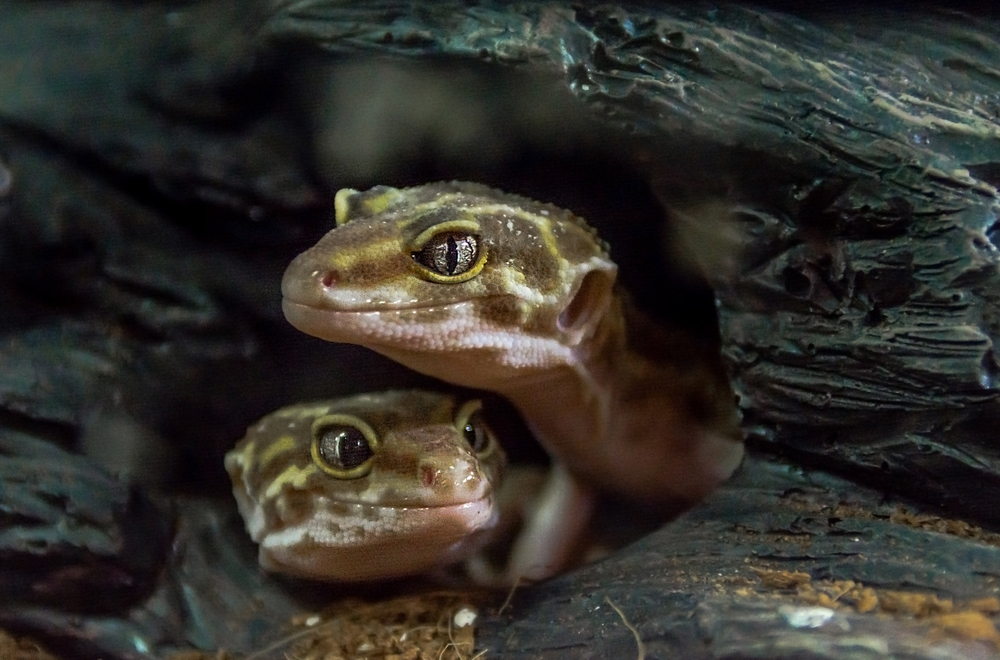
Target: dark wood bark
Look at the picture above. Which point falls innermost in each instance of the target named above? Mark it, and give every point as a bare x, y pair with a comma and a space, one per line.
711, 584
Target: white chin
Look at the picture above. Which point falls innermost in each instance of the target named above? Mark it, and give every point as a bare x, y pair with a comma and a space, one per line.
407, 542
448, 342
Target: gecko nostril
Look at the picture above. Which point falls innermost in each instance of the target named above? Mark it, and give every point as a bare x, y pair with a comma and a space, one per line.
329, 278
427, 475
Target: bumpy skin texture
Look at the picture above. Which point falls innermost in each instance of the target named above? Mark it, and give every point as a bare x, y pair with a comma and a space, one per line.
425, 497
491, 290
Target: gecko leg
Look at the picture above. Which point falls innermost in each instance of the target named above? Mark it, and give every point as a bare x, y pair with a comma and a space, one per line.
553, 528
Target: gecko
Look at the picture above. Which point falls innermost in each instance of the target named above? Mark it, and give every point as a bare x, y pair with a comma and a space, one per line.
495, 291
369, 487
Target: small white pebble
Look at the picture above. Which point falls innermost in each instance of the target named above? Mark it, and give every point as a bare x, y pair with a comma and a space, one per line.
364, 647
464, 617
312, 620
806, 617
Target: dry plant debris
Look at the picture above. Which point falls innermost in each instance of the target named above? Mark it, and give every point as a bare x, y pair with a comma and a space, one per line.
21, 648
969, 620
437, 626
958, 528
898, 516
640, 646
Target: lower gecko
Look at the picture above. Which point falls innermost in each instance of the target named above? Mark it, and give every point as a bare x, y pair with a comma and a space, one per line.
369, 487
490, 290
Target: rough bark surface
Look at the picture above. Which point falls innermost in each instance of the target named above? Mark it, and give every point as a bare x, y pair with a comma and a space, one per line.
743, 576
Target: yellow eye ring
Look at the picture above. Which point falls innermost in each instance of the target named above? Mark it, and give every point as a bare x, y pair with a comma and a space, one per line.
468, 252
343, 446
470, 427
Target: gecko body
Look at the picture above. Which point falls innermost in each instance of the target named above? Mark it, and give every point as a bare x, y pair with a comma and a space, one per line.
495, 291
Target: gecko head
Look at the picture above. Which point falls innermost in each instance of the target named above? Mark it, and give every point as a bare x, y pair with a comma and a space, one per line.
453, 279
368, 487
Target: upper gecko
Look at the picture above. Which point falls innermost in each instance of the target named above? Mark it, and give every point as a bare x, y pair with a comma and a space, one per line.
495, 291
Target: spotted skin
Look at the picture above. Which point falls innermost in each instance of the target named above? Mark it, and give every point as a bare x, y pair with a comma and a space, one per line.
428, 498
621, 405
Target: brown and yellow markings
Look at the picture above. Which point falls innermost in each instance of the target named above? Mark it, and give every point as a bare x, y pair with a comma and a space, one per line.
345, 201
292, 476
969, 619
280, 446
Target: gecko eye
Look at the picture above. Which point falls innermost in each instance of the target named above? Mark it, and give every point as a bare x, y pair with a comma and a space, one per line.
473, 428
449, 253
343, 446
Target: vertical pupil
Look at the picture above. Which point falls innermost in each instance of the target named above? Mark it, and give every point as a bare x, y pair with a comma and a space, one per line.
452, 258
449, 254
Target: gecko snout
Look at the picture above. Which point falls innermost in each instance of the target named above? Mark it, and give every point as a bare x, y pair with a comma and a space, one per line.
306, 281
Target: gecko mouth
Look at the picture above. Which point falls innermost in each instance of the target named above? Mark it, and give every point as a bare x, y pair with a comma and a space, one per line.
287, 304
374, 510
351, 523
372, 322
347, 507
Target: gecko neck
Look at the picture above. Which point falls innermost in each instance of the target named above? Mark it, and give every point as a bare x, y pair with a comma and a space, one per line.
657, 425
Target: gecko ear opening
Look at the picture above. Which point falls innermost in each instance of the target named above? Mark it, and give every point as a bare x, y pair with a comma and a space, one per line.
587, 305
